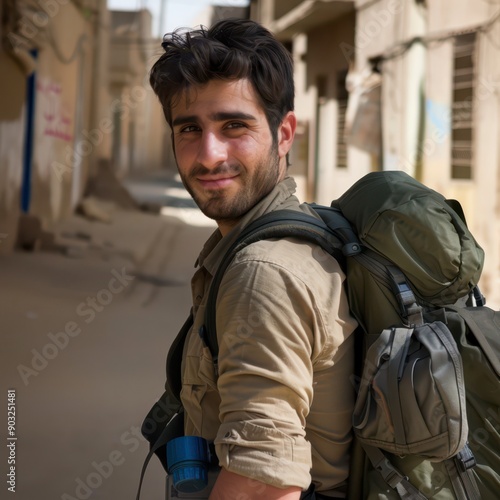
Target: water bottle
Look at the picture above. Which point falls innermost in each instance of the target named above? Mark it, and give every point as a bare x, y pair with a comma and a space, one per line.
188, 460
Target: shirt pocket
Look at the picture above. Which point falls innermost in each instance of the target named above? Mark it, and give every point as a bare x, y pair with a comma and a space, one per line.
199, 389
192, 393
206, 370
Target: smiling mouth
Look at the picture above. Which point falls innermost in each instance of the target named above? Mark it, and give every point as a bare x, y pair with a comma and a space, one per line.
217, 183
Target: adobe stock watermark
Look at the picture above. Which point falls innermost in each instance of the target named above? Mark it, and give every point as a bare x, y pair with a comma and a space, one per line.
103, 470
478, 438
307, 269
371, 29
445, 117
130, 440
94, 137
87, 310
34, 21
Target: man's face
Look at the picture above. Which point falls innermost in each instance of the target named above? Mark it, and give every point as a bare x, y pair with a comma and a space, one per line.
225, 152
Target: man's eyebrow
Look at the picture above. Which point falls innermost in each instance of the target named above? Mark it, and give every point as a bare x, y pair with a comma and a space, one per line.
182, 120
219, 116
222, 116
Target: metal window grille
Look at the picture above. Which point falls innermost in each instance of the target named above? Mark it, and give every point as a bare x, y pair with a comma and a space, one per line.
342, 96
462, 134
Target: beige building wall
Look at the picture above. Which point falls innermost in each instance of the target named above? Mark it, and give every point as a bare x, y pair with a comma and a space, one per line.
326, 71
61, 152
62, 34
480, 195
314, 32
100, 99
417, 105
140, 138
407, 47
92, 102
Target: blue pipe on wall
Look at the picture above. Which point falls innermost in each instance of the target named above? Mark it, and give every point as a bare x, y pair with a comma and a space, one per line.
29, 139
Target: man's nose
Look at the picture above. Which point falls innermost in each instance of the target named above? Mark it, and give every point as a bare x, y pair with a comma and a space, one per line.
212, 151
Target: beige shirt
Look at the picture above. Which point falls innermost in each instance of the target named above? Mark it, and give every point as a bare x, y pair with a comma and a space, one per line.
280, 410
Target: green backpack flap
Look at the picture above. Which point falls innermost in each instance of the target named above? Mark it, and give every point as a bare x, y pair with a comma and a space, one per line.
414, 227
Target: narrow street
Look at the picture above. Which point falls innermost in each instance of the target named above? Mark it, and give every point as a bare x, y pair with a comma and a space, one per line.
86, 334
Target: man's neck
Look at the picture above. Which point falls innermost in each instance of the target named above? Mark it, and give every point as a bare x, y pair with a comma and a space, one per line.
226, 226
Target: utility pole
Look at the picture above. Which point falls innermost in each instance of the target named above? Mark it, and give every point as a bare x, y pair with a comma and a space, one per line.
162, 16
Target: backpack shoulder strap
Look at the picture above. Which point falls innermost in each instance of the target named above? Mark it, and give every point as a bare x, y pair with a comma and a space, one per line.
174, 357
333, 237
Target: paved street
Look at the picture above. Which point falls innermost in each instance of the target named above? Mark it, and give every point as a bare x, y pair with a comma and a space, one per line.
85, 334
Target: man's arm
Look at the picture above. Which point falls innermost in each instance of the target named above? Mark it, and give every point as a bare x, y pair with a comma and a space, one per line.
232, 486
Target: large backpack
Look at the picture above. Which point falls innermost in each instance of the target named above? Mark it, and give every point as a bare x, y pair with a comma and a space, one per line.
427, 416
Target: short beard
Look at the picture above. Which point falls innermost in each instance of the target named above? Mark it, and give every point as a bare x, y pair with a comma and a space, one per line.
255, 188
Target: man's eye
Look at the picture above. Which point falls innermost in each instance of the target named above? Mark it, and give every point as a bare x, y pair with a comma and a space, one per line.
189, 128
234, 125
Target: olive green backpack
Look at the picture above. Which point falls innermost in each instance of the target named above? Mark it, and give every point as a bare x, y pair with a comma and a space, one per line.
427, 416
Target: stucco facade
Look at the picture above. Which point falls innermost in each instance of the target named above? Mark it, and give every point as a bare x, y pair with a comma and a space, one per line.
423, 82
315, 33
440, 72
75, 94
140, 139
48, 53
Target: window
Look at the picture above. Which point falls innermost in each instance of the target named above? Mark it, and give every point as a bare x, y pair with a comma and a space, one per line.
462, 133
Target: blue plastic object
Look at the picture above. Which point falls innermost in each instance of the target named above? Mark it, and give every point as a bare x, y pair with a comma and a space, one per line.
188, 460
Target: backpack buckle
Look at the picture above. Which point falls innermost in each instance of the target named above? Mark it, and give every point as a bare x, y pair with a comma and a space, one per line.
465, 458
405, 297
390, 474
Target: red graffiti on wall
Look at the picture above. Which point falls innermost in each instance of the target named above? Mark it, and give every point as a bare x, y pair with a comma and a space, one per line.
56, 120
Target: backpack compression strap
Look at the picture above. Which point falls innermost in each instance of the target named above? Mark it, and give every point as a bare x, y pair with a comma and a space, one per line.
278, 224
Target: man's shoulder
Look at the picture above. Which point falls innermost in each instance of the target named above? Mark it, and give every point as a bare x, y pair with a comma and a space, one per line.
288, 250
293, 254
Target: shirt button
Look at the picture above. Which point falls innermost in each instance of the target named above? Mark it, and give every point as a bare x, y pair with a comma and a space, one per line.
197, 300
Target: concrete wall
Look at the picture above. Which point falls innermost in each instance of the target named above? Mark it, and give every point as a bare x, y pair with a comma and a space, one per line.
140, 139
319, 60
480, 196
417, 105
411, 45
327, 61
51, 42
61, 152
157, 152
90, 100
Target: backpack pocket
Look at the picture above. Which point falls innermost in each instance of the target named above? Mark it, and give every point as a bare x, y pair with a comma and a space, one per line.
411, 398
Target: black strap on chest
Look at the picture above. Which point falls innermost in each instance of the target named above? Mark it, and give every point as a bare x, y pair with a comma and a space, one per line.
334, 236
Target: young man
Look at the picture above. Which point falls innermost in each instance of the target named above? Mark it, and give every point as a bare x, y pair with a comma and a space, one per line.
279, 411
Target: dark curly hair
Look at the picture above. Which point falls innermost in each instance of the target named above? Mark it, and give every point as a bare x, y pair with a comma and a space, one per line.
231, 49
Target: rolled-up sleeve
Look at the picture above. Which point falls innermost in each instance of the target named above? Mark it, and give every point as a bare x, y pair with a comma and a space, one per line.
269, 330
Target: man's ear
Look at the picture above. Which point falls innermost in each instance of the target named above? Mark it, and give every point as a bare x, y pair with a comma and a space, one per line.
286, 133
